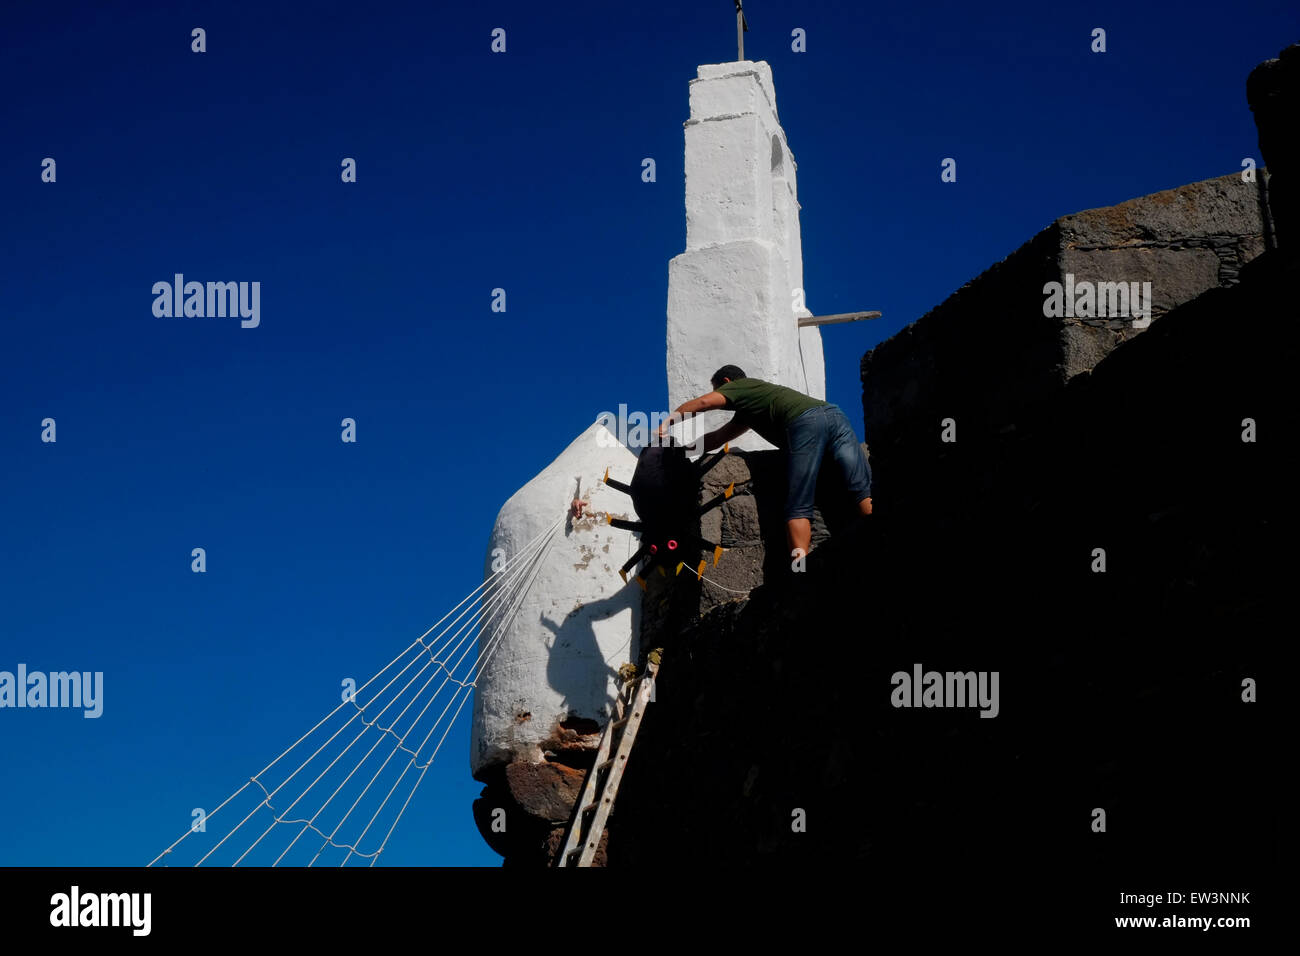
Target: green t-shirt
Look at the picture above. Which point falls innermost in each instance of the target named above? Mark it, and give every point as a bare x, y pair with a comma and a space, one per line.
766, 408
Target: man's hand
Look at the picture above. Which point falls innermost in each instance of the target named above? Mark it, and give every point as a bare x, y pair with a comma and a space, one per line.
672, 418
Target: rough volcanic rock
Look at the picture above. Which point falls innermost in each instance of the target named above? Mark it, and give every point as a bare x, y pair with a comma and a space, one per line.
988, 353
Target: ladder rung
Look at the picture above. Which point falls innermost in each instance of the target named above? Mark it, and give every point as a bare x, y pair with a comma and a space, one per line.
610, 762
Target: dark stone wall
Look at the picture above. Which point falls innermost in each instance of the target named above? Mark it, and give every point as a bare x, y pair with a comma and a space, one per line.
1119, 690
1273, 91
987, 352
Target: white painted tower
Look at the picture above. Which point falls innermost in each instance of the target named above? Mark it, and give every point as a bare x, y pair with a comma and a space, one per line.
732, 300
735, 294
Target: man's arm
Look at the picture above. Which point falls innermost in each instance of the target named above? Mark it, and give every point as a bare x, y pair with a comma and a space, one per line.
702, 404
728, 432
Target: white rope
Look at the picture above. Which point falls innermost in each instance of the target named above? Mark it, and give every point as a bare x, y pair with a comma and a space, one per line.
513, 570
522, 569
360, 712
400, 746
723, 586
496, 642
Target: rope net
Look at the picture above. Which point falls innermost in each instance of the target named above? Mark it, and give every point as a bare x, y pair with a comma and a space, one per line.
335, 796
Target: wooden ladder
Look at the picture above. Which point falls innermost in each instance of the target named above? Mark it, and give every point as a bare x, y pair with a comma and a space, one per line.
601, 787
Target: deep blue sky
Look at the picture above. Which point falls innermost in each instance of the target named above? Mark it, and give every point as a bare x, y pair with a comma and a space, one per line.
475, 171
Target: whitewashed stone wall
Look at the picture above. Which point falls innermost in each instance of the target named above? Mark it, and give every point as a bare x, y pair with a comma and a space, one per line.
576, 625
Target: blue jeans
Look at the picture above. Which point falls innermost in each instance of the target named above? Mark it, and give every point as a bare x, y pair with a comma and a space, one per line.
819, 433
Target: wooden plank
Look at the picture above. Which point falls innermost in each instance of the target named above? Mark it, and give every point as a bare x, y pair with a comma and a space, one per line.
837, 318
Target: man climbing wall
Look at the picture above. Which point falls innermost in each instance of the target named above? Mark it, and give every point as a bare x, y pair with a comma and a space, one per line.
807, 429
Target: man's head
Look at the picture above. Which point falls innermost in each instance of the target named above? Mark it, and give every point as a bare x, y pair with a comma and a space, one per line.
728, 373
